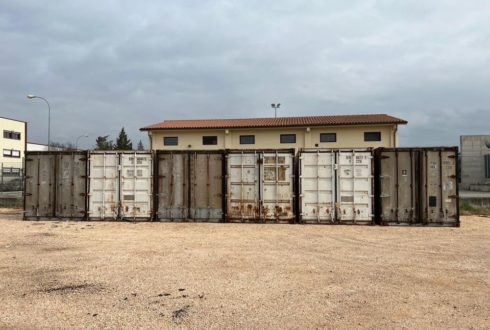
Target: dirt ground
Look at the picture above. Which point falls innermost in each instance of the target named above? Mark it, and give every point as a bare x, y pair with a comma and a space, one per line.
69, 274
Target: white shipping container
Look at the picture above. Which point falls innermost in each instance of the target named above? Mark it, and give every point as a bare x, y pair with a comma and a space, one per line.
260, 186
136, 184
336, 186
103, 197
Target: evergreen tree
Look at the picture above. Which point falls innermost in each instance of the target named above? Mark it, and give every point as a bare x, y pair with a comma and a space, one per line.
123, 142
140, 147
102, 143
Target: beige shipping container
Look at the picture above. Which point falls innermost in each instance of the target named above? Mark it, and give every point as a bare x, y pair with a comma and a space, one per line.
189, 186
55, 184
417, 186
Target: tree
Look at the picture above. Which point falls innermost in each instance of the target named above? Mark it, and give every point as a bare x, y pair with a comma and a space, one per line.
66, 146
140, 147
123, 142
102, 143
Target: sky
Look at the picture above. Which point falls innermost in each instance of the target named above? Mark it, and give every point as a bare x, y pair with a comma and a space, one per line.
104, 65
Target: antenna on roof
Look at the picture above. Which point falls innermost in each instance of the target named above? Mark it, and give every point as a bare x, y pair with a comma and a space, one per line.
275, 108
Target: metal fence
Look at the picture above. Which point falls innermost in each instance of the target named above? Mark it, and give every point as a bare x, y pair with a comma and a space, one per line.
11, 184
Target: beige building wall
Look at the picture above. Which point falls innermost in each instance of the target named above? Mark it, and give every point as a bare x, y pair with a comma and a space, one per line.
12, 146
265, 138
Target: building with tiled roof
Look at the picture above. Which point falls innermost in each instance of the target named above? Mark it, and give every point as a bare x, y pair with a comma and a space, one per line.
343, 131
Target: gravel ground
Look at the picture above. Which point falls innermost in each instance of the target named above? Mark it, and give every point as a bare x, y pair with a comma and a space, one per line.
166, 275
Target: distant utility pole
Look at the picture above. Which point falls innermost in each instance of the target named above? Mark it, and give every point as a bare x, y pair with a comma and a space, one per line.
275, 106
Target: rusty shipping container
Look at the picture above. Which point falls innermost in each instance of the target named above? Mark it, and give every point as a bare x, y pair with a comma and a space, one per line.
120, 185
55, 184
417, 186
336, 186
260, 186
189, 186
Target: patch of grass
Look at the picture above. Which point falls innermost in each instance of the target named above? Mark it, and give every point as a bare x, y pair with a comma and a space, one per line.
468, 209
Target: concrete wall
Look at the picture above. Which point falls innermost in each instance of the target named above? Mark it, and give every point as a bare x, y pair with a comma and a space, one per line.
473, 149
11, 144
347, 137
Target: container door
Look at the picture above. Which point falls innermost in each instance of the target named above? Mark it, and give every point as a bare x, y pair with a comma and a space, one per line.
317, 187
440, 197
40, 185
354, 187
399, 187
206, 172
172, 187
243, 199
71, 185
277, 187
104, 186
136, 183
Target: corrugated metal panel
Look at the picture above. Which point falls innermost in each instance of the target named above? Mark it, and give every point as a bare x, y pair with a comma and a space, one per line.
172, 186
55, 185
40, 185
71, 185
103, 198
417, 186
354, 187
206, 172
136, 185
317, 187
260, 186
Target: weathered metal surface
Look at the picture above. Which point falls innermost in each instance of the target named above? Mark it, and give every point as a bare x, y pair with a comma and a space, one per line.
417, 186
260, 186
71, 188
55, 185
103, 197
39, 185
190, 186
354, 187
136, 185
206, 195
336, 186
173, 186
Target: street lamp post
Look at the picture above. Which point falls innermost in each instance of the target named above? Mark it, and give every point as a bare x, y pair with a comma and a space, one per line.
275, 106
30, 96
78, 138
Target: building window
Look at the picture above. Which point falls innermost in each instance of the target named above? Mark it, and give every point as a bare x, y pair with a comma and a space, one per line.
209, 140
11, 171
247, 139
11, 153
170, 141
288, 138
328, 137
11, 135
372, 136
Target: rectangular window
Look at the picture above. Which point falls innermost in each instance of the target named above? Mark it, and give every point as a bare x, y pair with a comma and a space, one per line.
328, 137
247, 139
372, 136
170, 141
16, 153
209, 140
11, 135
288, 138
11, 171
7, 153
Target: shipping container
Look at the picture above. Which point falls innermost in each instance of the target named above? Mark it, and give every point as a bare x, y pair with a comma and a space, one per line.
55, 185
417, 186
336, 186
260, 186
120, 185
189, 185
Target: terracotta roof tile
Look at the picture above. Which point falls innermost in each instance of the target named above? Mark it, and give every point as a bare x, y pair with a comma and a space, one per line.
277, 122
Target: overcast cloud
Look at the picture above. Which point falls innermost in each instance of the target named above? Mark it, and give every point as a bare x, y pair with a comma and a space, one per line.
107, 64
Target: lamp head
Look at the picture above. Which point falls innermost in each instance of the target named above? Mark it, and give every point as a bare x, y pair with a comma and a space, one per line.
30, 96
